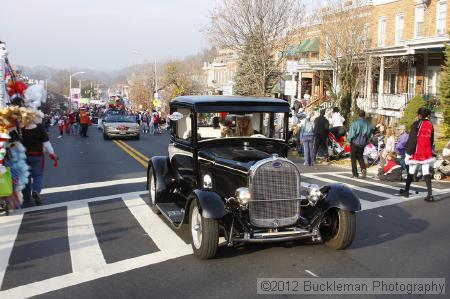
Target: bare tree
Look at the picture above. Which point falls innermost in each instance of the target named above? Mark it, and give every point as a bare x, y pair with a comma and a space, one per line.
262, 29
345, 43
182, 77
142, 86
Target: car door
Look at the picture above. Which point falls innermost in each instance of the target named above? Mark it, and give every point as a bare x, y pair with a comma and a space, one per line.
181, 151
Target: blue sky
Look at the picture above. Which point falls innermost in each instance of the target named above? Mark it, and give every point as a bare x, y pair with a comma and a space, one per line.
102, 34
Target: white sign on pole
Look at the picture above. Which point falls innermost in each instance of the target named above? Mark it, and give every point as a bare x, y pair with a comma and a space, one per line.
290, 88
291, 66
227, 90
75, 95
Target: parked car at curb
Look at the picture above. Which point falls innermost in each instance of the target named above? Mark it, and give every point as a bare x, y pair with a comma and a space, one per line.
227, 175
119, 126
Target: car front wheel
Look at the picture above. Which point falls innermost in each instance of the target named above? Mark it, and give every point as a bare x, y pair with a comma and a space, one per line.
151, 181
204, 233
105, 136
338, 228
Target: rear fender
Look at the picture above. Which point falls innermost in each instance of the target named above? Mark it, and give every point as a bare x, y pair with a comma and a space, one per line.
339, 196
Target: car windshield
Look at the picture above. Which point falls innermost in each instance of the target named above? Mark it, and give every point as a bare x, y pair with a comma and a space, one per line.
232, 125
120, 119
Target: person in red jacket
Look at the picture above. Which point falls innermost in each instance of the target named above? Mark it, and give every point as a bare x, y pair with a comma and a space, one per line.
419, 151
72, 124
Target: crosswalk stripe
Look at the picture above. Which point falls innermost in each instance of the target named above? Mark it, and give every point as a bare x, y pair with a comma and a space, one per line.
9, 229
442, 190
386, 186
79, 187
362, 189
161, 234
74, 203
85, 251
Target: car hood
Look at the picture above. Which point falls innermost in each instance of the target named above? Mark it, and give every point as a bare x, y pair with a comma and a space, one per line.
240, 157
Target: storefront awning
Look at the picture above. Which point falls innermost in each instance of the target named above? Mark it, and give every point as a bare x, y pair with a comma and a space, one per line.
309, 45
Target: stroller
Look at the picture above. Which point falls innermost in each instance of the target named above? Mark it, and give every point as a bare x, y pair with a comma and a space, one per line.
442, 164
336, 147
371, 154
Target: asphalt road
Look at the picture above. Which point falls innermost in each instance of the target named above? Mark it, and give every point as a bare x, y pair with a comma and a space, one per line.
96, 238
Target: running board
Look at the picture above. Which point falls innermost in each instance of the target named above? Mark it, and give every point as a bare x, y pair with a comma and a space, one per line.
174, 212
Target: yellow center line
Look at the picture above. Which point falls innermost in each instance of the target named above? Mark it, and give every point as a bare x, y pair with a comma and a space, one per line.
135, 151
137, 158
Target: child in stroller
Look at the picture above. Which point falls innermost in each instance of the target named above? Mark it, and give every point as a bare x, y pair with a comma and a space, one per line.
335, 146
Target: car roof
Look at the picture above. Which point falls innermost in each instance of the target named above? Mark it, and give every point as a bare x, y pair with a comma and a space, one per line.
208, 103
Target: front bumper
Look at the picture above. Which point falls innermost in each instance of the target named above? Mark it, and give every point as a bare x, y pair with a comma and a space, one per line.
277, 236
122, 134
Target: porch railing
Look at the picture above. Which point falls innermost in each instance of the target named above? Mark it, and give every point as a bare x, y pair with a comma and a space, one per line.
387, 101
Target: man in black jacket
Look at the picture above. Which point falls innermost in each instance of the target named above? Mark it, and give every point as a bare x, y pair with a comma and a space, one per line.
321, 128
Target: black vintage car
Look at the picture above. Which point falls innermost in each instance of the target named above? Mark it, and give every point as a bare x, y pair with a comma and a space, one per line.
227, 175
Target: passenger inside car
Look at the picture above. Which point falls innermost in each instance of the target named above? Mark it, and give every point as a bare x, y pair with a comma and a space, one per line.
243, 126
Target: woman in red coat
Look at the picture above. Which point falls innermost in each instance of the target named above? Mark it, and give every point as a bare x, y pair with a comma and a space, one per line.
419, 151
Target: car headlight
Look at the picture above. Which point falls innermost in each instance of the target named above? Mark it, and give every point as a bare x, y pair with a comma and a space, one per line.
242, 195
314, 194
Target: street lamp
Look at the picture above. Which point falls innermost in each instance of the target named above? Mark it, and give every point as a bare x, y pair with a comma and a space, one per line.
70, 88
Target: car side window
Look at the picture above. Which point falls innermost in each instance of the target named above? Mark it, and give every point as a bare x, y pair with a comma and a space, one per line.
183, 128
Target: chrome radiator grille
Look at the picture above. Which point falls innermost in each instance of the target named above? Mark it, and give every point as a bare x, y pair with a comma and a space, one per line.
275, 194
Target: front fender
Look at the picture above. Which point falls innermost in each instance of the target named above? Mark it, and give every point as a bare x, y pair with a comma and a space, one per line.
210, 204
339, 196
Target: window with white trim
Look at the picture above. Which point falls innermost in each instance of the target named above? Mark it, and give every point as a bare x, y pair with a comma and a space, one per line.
418, 21
399, 26
441, 17
432, 80
381, 31
392, 83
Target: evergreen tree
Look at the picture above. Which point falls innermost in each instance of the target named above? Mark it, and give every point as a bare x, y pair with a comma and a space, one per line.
444, 92
255, 77
410, 113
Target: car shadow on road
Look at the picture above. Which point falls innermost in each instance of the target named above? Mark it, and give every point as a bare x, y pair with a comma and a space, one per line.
386, 224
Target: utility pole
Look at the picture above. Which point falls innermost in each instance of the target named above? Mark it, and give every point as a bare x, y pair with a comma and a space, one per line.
156, 80
3, 54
